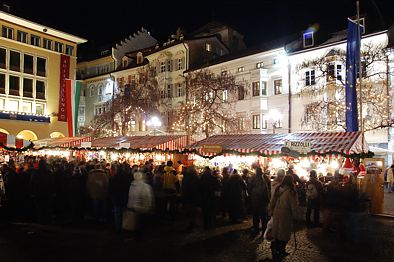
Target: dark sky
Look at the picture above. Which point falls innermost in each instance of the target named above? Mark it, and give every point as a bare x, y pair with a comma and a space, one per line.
109, 21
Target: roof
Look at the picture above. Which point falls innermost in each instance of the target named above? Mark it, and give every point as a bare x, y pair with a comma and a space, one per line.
41, 28
61, 142
271, 144
172, 142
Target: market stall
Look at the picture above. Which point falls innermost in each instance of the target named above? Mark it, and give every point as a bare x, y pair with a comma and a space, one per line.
137, 149
11, 146
59, 146
323, 151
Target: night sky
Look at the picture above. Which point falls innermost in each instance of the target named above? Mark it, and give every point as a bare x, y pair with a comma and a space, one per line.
108, 22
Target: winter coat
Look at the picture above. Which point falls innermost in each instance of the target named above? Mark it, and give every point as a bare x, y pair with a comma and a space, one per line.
42, 184
275, 184
141, 197
169, 179
191, 189
97, 184
209, 185
284, 206
119, 185
258, 192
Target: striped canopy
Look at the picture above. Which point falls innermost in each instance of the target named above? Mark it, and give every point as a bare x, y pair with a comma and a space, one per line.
175, 142
271, 144
61, 142
11, 141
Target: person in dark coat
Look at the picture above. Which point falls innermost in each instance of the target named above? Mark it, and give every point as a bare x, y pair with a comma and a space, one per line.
119, 185
235, 193
259, 200
209, 185
76, 190
13, 190
42, 190
97, 189
191, 195
224, 200
314, 189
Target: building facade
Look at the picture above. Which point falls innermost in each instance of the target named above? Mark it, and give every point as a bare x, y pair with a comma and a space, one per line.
31, 72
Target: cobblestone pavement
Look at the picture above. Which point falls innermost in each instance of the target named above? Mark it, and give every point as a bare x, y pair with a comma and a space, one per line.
168, 241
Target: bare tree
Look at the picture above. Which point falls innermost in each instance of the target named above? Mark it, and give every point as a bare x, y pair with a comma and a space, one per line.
325, 88
133, 102
209, 105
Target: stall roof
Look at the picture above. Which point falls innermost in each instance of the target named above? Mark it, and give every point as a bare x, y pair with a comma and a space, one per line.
7, 140
271, 144
172, 142
61, 142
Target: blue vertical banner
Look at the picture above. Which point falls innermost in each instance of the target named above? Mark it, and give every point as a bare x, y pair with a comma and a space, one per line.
352, 63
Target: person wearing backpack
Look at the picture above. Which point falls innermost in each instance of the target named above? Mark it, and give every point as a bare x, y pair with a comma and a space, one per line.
314, 190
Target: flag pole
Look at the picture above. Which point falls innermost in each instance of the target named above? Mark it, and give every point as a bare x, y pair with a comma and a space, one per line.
360, 76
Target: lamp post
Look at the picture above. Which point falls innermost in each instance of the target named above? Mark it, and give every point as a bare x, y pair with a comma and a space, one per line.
275, 116
154, 122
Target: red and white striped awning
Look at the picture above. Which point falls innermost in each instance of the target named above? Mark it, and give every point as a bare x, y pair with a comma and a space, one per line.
11, 141
271, 144
61, 142
171, 142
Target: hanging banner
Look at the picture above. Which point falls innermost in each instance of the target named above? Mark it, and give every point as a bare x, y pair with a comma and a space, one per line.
64, 74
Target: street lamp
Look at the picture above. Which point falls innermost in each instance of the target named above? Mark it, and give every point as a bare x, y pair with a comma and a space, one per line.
275, 116
154, 122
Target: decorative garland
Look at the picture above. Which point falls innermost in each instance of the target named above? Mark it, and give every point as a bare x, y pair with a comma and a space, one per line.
30, 146
369, 154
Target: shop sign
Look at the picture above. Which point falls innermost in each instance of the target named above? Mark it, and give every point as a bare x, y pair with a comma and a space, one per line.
124, 145
212, 149
299, 146
86, 144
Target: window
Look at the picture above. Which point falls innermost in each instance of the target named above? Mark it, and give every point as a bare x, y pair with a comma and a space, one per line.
180, 63
47, 44
12, 106
263, 88
180, 91
35, 40
69, 50
256, 121
162, 94
2, 83
3, 58
40, 109
208, 47
8, 32
40, 89
339, 72
26, 107
59, 47
169, 65
162, 67
169, 91
100, 90
275, 61
265, 122
331, 72
241, 69
308, 39
13, 85
241, 93
81, 114
2, 102
363, 69
27, 87
27, 64
224, 73
256, 88
15, 61
278, 87
259, 65
310, 78
91, 91
21, 37
225, 95
41, 66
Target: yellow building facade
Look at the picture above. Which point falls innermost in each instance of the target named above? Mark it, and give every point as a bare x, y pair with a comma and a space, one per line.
30, 77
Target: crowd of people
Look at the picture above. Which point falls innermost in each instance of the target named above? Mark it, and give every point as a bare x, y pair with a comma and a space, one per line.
48, 189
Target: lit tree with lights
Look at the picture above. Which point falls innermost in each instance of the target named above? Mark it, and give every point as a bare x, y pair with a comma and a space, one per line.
326, 90
133, 101
209, 106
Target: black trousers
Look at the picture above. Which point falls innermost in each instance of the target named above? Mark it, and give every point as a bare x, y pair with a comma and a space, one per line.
278, 249
313, 205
